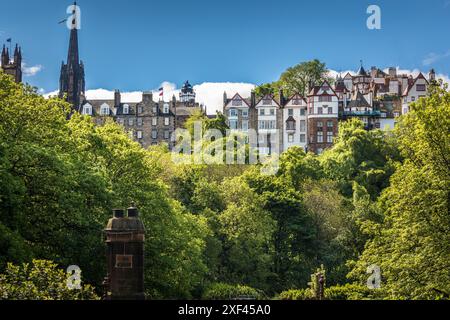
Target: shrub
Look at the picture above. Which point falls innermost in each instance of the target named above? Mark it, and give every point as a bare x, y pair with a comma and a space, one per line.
223, 291
302, 294
352, 292
346, 292
41, 280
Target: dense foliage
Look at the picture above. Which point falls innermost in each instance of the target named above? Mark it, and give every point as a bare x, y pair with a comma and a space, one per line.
220, 231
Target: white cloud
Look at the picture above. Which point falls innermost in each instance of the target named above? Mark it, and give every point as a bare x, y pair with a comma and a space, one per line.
434, 57
209, 94
333, 73
31, 71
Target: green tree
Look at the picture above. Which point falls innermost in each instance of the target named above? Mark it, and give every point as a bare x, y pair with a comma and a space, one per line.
40, 280
297, 79
247, 230
358, 155
412, 244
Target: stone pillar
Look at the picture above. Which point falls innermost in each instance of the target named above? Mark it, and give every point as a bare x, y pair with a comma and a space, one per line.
125, 256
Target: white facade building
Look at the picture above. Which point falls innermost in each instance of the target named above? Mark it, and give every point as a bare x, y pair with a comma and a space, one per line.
295, 122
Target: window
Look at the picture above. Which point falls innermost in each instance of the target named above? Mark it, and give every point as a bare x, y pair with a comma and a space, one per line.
325, 99
155, 109
139, 134
303, 112
154, 134
120, 121
166, 134
290, 112
267, 102
413, 99
329, 137
262, 112
245, 113
272, 112
139, 121
330, 124
296, 102
319, 110
421, 87
166, 121
166, 108
233, 124
290, 138
320, 126
302, 138
330, 110
87, 109
236, 103
267, 125
130, 121
302, 125
140, 109
290, 124
233, 113
396, 114
104, 110
319, 137
154, 121
126, 109
245, 125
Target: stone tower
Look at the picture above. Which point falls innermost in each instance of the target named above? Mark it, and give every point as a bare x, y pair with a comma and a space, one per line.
187, 94
12, 67
125, 256
71, 81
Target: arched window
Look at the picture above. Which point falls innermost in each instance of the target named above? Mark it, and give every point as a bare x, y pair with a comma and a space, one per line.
87, 109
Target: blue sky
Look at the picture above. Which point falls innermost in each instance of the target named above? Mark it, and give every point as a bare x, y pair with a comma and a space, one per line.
136, 45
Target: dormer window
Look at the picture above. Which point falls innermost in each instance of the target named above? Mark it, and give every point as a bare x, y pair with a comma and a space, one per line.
87, 109
104, 110
126, 109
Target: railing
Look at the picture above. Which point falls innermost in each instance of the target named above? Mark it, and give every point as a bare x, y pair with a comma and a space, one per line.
362, 113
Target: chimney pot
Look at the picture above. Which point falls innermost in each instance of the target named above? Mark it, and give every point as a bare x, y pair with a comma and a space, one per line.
118, 213
133, 212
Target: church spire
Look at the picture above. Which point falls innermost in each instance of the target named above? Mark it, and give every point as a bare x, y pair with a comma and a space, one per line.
73, 57
72, 83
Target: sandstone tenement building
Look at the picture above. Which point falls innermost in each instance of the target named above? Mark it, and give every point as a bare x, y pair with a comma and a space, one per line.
148, 122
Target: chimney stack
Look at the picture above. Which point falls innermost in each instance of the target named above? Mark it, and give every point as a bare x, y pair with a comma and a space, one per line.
117, 98
253, 99
125, 256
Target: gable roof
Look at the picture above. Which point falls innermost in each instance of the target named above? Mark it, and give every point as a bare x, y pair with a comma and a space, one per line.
296, 96
234, 98
412, 84
359, 102
314, 91
268, 97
